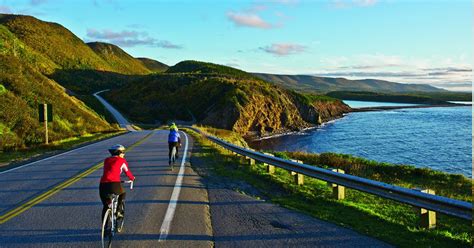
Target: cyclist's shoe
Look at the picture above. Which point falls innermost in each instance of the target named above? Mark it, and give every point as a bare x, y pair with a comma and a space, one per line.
119, 214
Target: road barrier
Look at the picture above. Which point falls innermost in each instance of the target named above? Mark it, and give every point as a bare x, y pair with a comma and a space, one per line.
417, 198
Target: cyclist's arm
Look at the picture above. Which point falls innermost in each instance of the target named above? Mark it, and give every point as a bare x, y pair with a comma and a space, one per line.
127, 171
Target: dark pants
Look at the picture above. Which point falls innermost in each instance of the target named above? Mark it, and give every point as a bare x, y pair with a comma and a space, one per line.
105, 189
170, 146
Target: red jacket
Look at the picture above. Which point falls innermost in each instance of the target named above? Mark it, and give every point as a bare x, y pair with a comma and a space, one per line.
113, 167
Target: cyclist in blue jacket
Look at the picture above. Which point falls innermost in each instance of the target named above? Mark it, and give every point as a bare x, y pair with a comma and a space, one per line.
174, 140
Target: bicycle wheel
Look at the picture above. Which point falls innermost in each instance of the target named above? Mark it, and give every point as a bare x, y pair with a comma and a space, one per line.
120, 220
107, 234
173, 156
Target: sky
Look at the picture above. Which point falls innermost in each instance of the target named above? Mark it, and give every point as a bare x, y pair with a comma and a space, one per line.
422, 42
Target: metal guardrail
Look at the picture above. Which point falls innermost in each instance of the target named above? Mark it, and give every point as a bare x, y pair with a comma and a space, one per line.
412, 197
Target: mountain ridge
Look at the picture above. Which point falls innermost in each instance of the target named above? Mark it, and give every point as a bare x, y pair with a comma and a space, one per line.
317, 84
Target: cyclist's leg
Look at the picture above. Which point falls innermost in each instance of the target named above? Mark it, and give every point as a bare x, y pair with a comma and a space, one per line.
120, 205
104, 190
170, 147
177, 146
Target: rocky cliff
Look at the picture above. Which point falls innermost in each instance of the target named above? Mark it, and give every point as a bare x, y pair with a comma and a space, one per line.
222, 97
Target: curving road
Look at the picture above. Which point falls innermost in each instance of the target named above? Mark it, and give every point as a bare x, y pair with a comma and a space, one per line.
121, 120
54, 202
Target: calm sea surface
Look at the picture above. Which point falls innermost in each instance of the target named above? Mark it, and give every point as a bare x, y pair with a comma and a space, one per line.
439, 138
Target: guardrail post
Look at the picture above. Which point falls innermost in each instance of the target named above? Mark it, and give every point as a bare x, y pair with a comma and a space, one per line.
297, 178
338, 191
427, 217
270, 168
251, 161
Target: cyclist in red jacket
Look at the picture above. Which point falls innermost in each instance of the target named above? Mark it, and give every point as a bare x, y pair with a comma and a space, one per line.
110, 181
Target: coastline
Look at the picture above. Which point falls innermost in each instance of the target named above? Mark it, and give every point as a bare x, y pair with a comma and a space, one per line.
382, 108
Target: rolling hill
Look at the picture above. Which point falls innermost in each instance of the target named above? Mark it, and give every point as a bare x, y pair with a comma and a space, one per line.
63, 57
306, 83
23, 85
223, 97
153, 65
118, 59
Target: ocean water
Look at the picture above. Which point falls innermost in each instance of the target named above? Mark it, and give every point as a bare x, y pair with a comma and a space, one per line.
438, 138
363, 104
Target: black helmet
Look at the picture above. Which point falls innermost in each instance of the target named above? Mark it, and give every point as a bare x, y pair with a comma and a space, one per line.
116, 149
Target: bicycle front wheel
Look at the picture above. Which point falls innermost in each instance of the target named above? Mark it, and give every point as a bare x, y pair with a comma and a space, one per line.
107, 234
121, 219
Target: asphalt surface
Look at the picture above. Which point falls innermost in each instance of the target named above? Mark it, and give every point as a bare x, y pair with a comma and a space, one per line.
121, 120
71, 217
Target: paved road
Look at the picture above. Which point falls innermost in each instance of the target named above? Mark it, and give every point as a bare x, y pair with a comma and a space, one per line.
71, 217
121, 120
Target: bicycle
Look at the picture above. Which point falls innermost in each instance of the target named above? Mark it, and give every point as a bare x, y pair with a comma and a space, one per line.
173, 157
111, 224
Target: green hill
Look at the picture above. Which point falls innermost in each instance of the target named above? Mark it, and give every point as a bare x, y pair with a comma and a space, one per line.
118, 59
306, 83
55, 42
23, 86
204, 68
153, 65
222, 97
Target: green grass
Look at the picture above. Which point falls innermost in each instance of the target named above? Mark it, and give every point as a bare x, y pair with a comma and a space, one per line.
383, 219
64, 144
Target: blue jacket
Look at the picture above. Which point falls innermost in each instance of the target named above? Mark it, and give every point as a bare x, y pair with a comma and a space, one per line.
174, 136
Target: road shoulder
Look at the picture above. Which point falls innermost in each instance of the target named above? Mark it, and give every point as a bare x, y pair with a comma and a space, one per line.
242, 217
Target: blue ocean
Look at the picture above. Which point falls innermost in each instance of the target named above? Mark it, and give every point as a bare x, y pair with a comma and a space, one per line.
439, 138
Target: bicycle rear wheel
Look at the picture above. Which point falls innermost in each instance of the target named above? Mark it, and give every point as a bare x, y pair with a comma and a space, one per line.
173, 157
120, 220
107, 234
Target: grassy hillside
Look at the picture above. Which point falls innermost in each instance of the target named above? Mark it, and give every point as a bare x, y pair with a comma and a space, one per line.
215, 95
153, 65
23, 85
23, 88
306, 83
118, 59
55, 42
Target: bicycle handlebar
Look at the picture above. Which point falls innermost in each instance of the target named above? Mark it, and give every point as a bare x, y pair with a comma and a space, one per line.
130, 182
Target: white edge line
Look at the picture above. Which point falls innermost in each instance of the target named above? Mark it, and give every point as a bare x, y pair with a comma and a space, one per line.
165, 226
44, 159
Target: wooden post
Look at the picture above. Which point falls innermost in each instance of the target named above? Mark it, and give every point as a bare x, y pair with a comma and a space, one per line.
338, 191
298, 179
45, 109
427, 217
251, 161
270, 168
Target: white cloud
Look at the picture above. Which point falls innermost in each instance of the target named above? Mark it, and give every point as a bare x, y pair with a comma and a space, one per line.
127, 38
252, 16
283, 49
252, 20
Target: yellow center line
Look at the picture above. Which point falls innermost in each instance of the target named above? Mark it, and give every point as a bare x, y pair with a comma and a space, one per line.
22, 208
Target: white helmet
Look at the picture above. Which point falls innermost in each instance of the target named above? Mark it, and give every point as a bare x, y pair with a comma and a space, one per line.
117, 149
